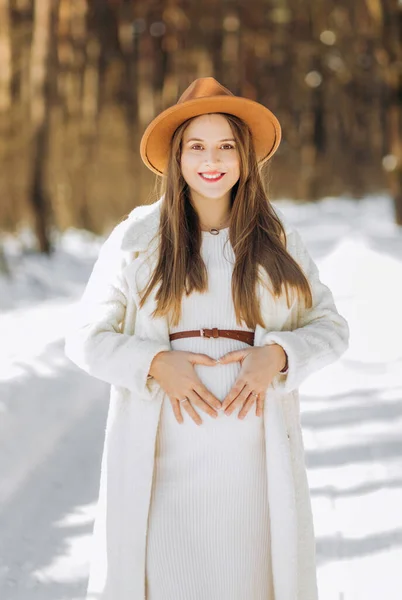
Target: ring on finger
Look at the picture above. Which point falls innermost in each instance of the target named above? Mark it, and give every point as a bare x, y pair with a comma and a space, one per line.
254, 394
183, 400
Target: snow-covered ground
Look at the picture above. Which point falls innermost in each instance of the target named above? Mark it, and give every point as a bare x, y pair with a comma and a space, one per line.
52, 416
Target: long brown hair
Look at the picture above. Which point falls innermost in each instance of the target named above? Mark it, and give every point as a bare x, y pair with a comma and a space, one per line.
255, 231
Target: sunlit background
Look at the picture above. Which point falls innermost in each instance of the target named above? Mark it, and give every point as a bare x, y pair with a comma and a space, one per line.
79, 82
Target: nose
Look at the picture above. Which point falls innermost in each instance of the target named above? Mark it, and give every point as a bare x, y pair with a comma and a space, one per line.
212, 156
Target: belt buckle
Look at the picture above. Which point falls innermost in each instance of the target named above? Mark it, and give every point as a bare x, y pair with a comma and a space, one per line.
214, 333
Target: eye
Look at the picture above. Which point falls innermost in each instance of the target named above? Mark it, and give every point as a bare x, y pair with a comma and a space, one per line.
229, 146
196, 145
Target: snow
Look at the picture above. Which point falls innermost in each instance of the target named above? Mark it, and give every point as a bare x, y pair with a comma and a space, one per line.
38, 278
52, 416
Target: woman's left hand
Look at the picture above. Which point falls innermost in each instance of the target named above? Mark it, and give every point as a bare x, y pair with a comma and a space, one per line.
259, 366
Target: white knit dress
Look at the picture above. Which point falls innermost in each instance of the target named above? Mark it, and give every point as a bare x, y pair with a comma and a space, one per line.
208, 530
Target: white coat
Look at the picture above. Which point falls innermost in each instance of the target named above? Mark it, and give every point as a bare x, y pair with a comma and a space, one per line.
113, 340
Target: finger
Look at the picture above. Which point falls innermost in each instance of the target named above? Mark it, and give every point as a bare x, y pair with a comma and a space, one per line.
176, 409
235, 404
193, 413
235, 356
201, 359
247, 406
239, 401
259, 411
206, 395
234, 392
199, 402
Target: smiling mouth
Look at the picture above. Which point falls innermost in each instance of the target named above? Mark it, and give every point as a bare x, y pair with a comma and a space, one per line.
211, 177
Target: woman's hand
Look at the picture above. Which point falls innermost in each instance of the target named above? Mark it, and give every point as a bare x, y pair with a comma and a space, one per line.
260, 364
175, 373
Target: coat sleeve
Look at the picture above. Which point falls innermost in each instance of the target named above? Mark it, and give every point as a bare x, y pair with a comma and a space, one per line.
95, 341
322, 335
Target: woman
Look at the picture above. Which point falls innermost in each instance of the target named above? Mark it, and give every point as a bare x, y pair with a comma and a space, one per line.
205, 312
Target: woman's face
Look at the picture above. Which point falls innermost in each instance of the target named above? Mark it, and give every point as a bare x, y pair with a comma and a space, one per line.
209, 160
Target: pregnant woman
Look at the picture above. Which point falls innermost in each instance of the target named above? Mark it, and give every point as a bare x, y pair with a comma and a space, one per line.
205, 312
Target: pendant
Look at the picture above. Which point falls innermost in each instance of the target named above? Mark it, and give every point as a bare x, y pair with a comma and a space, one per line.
214, 231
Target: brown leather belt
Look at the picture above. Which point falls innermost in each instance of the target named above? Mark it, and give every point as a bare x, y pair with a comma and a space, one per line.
235, 334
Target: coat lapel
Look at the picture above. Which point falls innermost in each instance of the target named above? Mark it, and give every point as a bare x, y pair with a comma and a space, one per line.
281, 493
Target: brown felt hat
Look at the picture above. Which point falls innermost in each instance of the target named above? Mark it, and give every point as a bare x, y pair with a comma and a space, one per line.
206, 95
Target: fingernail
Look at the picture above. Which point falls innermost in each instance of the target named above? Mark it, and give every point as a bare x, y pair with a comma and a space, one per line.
218, 360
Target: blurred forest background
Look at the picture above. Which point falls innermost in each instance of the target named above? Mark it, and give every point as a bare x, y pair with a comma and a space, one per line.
81, 79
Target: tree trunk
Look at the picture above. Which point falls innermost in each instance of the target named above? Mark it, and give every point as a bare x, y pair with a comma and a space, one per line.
4, 270
39, 105
392, 36
6, 123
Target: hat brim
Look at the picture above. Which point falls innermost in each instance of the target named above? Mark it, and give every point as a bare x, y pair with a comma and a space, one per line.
264, 126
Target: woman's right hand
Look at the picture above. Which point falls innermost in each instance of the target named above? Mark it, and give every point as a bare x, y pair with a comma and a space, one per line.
175, 373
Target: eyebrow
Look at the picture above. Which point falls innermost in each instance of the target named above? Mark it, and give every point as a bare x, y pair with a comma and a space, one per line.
200, 140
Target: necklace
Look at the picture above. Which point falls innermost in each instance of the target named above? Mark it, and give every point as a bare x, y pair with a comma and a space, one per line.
214, 230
